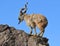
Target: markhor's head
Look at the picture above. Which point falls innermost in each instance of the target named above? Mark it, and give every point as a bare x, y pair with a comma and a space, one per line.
22, 12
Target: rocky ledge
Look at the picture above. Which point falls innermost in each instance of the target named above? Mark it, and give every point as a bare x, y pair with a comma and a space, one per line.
9, 36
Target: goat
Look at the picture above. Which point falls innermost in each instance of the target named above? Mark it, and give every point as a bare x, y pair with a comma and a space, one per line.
33, 20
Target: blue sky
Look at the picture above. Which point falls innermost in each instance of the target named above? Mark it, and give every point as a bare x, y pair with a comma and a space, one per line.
9, 12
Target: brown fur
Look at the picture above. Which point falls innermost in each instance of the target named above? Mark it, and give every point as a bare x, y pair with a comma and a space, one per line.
33, 20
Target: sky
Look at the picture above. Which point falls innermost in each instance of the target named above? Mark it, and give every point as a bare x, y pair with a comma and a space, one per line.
9, 12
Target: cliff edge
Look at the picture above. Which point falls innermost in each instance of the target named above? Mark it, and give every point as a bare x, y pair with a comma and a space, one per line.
9, 36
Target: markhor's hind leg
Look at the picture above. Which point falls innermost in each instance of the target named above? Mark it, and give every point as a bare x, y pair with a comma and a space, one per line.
41, 33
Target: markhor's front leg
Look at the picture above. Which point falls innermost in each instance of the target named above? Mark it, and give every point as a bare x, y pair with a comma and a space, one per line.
31, 30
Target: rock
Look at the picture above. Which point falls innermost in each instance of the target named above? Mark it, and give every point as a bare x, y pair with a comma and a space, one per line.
37, 41
9, 36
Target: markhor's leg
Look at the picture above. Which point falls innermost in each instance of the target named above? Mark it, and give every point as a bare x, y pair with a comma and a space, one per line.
31, 30
41, 33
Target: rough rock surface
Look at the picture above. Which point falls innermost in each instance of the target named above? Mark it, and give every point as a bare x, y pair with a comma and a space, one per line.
9, 36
